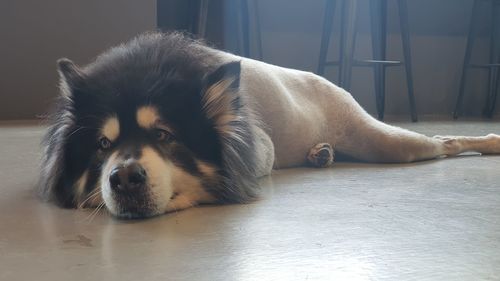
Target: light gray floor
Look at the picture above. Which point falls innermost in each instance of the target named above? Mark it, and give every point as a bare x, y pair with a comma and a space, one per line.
438, 220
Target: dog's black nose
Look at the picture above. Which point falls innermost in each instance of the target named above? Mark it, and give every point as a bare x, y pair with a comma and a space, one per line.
128, 177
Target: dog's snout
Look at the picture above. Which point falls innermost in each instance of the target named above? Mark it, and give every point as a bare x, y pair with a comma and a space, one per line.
128, 177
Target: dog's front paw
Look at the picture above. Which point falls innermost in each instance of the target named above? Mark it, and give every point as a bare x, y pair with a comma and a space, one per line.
321, 155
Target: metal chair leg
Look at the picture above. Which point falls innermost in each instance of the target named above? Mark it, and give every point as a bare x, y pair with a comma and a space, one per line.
245, 31
405, 37
468, 52
343, 19
202, 18
378, 11
256, 32
490, 106
325, 37
495, 94
493, 72
350, 14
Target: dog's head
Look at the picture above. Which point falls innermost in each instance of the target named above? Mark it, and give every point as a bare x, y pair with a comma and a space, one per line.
149, 127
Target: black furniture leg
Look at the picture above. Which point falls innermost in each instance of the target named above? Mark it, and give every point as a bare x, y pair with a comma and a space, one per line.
343, 19
245, 29
492, 97
495, 95
202, 18
378, 11
493, 71
489, 105
468, 52
405, 37
350, 14
325, 37
256, 33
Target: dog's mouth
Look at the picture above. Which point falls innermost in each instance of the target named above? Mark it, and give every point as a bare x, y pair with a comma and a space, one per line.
135, 213
135, 205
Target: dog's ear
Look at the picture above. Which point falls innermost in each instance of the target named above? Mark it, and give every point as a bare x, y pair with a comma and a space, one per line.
226, 75
221, 100
70, 75
57, 175
225, 107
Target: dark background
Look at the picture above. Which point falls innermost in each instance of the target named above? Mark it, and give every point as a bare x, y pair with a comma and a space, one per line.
34, 34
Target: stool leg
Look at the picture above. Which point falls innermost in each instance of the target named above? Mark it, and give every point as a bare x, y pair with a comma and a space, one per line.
257, 35
489, 107
405, 38
202, 19
343, 19
245, 22
378, 15
350, 13
325, 37
468, 52
493, 93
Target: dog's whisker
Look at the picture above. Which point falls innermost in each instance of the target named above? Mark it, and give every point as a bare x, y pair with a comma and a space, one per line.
94, 191
91, 196
95, 212
92, 213
77, 130
98, 208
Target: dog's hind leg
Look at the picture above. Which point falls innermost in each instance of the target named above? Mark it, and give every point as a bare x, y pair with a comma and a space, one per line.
353, 132
489, 144
370, 140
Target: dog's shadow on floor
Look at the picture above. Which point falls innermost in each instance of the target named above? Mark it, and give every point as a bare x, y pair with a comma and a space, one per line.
346, 162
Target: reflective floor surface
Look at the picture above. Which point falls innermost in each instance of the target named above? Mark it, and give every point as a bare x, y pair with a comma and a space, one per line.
436, 220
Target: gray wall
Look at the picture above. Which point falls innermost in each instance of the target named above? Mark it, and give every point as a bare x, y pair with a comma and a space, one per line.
35, 33
291, 38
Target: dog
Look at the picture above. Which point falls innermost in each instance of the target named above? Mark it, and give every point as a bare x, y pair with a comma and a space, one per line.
165, 122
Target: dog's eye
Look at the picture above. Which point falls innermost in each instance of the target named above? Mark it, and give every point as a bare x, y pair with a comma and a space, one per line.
162, 135
104, 143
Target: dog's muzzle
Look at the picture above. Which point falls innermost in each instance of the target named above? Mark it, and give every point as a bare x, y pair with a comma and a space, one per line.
136, 188
130, 189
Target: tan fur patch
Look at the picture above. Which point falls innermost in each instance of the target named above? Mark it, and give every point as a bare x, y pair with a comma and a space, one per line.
160, 178
90, 200
217, 105
147, 116
205, 168
106, 193
111, 128
188, 191
80, 185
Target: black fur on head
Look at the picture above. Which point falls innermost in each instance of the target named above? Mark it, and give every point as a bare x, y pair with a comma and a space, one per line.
193, 87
